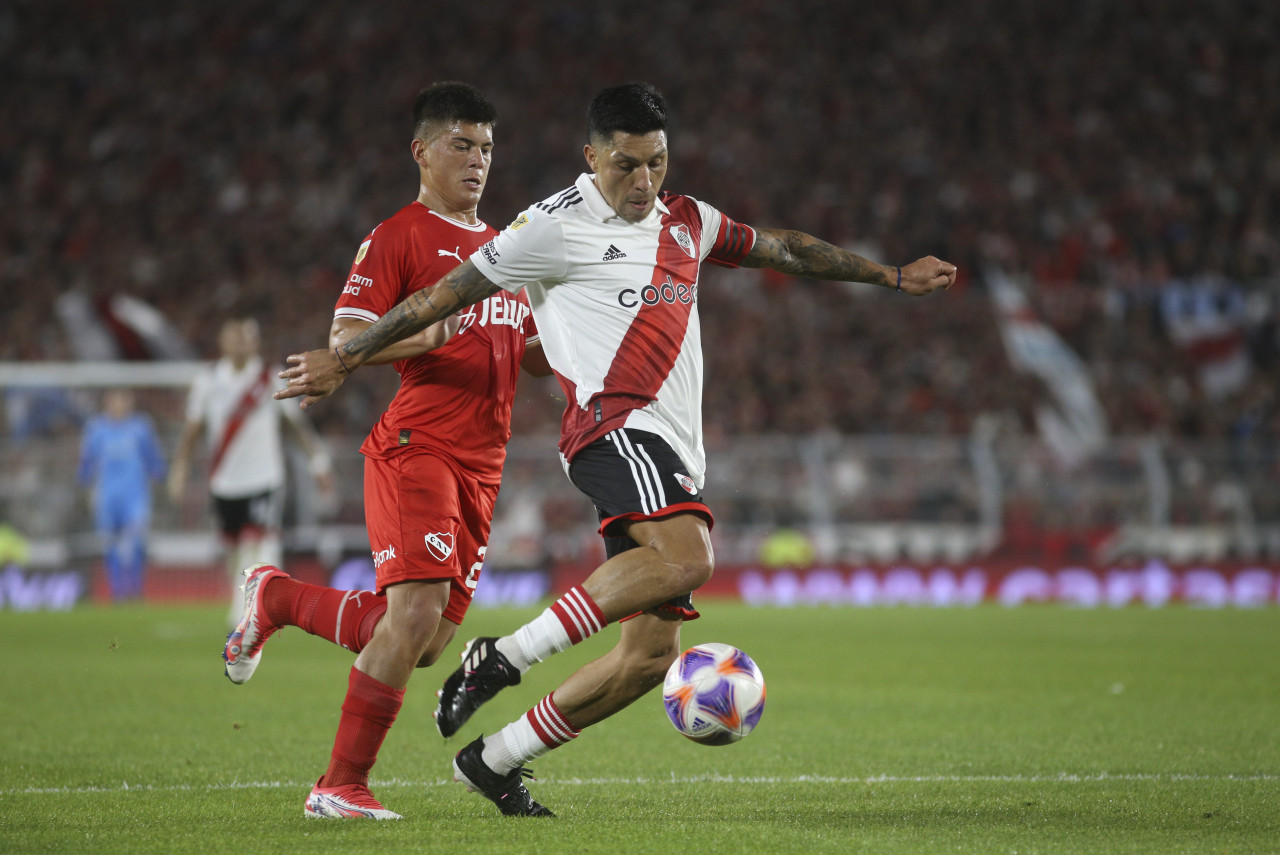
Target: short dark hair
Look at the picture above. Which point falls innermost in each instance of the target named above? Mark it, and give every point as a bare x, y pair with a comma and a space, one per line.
633, 108
447, 102
243, 309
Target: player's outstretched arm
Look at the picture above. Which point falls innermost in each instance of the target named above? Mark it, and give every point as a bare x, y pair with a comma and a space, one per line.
317, 374
799, 254
432, 338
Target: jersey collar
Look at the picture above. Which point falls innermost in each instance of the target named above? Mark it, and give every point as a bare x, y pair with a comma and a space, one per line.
600, 209
252, 367
478, 227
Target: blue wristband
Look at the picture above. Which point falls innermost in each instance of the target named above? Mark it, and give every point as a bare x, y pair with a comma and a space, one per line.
899, 288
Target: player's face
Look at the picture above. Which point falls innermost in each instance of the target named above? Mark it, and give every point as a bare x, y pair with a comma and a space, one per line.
239, 340
629, 171
454, 166
118, 403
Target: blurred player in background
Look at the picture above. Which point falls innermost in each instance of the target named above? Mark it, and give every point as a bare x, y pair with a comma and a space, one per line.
230, 403
433, 462
611, 269
119, 458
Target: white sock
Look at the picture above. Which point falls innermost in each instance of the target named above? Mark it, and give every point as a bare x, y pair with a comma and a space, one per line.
535, 641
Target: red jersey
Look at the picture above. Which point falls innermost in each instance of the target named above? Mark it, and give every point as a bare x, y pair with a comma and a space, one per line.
455, 400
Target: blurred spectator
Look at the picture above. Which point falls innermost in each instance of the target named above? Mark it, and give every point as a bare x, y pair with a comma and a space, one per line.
189, 156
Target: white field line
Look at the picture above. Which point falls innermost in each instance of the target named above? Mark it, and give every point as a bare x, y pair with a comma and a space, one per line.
1068, 778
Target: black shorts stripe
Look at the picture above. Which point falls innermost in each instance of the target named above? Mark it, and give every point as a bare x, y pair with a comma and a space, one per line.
647, 477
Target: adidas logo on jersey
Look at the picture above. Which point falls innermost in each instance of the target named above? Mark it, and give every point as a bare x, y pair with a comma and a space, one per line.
613, 254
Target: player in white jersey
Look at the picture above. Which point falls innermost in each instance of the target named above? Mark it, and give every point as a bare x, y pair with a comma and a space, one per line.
231, 403
621, 299
611, 271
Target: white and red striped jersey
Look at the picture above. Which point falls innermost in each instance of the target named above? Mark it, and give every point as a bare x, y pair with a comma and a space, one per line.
616, 304
242, 425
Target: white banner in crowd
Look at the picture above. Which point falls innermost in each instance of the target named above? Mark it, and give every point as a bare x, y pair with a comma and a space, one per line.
1074, 425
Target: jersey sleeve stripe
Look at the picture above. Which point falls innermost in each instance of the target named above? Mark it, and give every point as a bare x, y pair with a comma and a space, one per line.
732, 244
565, 199
358, 314
731, 241
738, 246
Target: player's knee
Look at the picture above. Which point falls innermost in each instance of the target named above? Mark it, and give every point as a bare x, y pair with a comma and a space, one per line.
684, 546
412, 632
698, 572
690, 572
410, 637
413, 615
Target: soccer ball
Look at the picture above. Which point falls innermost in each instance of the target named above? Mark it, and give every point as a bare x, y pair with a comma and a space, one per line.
714, 694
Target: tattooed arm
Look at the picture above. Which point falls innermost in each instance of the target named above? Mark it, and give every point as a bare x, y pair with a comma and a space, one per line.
318, 373
800, 254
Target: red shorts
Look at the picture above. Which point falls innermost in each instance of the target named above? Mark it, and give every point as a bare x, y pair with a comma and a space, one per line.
427, 521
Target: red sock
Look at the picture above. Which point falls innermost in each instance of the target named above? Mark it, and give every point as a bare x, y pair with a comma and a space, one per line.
346, 618
550, 724
367, 714
578, 614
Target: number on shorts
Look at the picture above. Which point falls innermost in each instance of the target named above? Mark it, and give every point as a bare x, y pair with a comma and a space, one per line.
473, 578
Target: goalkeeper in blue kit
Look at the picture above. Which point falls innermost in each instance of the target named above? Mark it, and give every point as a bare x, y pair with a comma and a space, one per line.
119, 458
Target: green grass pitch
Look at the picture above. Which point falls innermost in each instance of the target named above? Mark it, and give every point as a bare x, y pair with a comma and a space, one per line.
1040, 729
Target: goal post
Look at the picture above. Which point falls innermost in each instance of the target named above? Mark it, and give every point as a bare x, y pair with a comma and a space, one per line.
98, 375
47, 515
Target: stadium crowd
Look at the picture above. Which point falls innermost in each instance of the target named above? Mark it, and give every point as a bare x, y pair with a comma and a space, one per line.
1117, 159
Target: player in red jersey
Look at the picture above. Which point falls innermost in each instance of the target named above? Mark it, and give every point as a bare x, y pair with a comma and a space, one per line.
611, 268
432, 462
